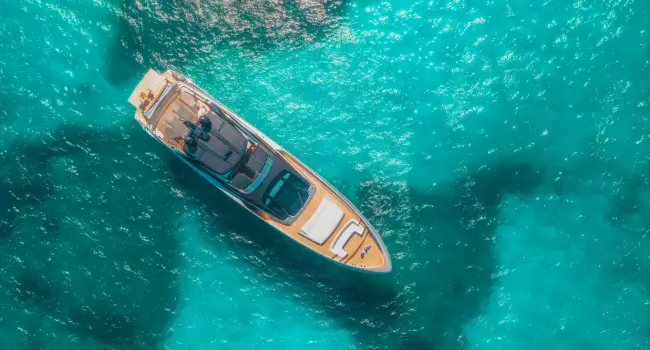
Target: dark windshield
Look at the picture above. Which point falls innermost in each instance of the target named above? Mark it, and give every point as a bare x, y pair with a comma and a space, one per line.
286, 195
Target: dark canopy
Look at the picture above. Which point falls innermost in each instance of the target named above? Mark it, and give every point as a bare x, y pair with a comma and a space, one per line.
219, 146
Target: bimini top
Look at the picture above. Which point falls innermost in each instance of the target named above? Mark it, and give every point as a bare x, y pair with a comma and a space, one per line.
214, 142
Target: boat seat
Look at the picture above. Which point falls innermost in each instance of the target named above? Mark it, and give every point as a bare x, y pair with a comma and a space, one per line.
323, 222
351, 228
241, 181
183, 113
257, 160
189, 101
174, 128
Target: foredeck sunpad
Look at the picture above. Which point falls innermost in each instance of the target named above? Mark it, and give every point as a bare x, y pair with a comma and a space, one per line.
323, 222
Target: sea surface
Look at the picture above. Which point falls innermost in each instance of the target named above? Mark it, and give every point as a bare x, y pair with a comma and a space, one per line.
501, 148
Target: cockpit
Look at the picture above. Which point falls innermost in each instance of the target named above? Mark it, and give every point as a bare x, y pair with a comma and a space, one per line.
254, 167
286, 195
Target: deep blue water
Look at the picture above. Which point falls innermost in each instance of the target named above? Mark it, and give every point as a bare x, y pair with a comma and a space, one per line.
499, 147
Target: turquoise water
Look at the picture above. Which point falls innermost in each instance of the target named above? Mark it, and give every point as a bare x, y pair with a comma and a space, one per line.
499, 147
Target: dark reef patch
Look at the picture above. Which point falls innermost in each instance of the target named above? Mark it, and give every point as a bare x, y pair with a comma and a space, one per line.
34, 288
105, 325
96, 258
490, 183
17, 196
171, 33
450, 232
415, 342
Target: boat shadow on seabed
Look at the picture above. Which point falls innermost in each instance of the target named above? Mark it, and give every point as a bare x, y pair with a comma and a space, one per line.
62, 257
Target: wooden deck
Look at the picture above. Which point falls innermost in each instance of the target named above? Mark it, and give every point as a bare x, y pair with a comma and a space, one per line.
374, 258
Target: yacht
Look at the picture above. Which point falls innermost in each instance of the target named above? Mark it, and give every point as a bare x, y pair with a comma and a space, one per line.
256, 172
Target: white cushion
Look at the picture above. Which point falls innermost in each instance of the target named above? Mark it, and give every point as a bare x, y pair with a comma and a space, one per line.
323, 222
352, 227
189, 100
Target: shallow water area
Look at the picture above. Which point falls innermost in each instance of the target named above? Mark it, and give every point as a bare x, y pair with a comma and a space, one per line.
499, 148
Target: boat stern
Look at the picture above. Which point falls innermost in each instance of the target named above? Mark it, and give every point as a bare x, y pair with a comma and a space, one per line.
147, 90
